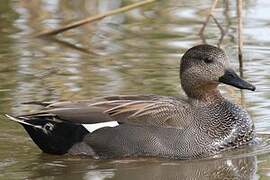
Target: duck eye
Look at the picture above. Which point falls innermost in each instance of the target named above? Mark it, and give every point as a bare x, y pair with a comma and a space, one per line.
208, 60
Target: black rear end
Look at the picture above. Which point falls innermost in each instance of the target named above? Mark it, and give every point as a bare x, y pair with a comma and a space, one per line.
54, 137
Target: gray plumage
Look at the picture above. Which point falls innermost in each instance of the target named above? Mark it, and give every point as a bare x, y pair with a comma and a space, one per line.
201, 125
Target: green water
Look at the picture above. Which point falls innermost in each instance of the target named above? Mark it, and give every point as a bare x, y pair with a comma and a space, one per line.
132, 53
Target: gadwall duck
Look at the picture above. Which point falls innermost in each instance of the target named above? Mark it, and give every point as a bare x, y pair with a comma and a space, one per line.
201, 125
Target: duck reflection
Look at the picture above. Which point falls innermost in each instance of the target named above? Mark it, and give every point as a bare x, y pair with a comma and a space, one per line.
130, 169
243, 168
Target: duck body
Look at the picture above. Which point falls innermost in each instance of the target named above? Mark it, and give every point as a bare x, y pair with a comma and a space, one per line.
201, 125
201, 138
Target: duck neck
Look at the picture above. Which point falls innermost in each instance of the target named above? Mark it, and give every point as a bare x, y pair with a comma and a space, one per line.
213, 96
208, 93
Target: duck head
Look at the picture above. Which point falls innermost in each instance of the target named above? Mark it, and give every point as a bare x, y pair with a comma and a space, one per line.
203, 68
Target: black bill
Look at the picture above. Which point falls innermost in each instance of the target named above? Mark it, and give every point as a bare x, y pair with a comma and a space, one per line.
231, 78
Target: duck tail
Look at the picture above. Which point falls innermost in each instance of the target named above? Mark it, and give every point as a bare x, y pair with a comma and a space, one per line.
50, 136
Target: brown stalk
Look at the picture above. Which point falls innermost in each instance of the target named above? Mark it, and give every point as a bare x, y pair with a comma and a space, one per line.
240, 35
94, 18
214, 4
222, 31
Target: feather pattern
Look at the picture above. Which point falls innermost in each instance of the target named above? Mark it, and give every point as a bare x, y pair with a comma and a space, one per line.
151, 110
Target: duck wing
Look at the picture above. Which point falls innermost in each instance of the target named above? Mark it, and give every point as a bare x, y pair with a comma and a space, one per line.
149, 110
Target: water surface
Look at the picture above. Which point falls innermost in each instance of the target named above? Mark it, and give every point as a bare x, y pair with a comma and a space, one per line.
132, 53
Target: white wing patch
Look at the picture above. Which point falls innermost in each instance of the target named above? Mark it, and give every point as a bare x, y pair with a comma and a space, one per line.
93, 127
